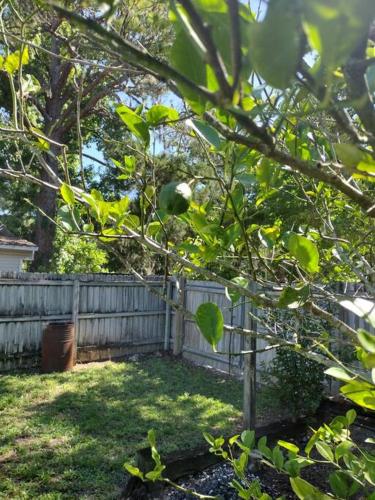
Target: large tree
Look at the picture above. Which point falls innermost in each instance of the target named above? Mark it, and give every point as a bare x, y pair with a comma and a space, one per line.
283, 114
68, 87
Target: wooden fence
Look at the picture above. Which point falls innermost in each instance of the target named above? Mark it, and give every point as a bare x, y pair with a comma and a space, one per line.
113, 315
116, 315
194, 347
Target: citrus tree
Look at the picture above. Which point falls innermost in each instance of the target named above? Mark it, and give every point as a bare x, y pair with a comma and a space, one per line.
280, 106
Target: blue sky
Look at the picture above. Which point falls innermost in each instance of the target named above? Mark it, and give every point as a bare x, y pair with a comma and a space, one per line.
169, 99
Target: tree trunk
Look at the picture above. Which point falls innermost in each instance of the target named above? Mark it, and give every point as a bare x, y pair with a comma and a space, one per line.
45, 230
46, 199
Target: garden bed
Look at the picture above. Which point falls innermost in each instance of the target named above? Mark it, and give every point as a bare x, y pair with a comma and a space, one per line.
215, 480
67, 435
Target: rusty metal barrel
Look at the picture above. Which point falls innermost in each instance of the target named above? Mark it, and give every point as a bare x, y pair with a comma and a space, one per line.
58, 347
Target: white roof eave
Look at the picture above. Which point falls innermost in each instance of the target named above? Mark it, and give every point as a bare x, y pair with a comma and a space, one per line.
22, 248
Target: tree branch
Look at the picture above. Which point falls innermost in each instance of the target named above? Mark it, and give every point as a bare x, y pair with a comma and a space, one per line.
214, 58
297, 164
359, 92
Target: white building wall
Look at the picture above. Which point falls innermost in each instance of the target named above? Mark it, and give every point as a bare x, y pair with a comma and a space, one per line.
10, 262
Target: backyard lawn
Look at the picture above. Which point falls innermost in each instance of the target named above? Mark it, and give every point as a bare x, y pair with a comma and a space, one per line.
67, 435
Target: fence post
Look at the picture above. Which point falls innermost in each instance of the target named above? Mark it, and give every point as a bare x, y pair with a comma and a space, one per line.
75, 311
249, 370
179, 322
167, 331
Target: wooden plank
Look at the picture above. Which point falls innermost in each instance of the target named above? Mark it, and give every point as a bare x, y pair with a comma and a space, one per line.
179, 320
63, 317
249, 370
31, 319
75, 312
167, 330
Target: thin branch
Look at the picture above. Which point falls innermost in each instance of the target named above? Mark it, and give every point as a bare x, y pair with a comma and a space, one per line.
301, 166
235, 41
214, 58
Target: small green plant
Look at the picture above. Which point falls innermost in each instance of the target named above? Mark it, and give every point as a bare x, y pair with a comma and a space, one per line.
350, 467
353, 467
293, 382
236, 451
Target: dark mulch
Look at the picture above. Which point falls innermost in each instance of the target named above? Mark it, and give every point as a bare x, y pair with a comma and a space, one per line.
215, 479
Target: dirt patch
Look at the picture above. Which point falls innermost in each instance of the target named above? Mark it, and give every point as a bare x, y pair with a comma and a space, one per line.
92, 364
26, 441
54, 443
9, 456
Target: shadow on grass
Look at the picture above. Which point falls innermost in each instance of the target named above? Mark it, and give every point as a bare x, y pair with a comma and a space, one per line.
126, 398
99, 416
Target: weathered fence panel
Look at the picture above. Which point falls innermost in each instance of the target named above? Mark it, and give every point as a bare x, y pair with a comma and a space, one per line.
196, 349
113, 315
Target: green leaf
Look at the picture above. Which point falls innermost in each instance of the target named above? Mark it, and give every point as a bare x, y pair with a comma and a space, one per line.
130, 163
68, 217
275, 44
292, 467
367, 340
278, 458
263, 448
339, 484
67, 194
109, 235
267, 174
43, 144
247, 180
361, 307
268, 236
324, 450
351, 415
135, 123
156, 474
305, 251
311, 442
348, 154
134, 471
151, 438
210, 322
14, 60
248, 439
362, 393
293, 297
325, 22
343, 448
233, 439
209, 438
187, 58
215, 15
368, 359
233, 295
159, 114
305, 490
357, 159
288, 446
205, 131
338, 373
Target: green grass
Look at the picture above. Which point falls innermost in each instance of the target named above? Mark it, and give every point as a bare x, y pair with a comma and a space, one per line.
67, 435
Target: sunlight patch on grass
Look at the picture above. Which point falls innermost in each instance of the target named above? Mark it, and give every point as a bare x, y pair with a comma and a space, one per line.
67, 435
